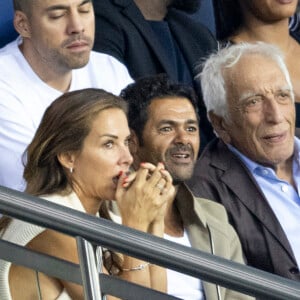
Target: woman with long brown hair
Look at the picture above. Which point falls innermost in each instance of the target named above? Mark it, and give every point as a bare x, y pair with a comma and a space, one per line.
79, 157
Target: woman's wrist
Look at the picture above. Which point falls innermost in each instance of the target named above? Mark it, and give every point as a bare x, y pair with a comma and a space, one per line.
138, 225
157, 228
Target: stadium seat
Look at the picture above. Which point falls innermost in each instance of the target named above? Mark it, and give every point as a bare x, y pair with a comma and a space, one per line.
7, 31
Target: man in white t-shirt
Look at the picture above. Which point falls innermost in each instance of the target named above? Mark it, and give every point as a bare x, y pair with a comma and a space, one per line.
52, 55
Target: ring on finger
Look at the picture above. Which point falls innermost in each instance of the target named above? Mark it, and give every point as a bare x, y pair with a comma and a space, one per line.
160, 186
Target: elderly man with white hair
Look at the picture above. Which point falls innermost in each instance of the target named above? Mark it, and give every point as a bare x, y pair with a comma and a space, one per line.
253, 167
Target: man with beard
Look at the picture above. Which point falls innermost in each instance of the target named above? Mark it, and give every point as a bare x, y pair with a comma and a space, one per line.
153, 37
52, 55
164, 122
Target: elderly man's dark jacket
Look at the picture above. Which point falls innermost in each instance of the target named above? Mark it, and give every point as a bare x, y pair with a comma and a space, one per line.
221, 176
123, 32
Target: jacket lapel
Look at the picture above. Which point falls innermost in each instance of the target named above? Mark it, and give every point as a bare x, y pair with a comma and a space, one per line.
131, 11
196, 228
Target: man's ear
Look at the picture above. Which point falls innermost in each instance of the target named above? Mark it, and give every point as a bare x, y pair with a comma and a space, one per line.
67, 160
220, 127
134, 148
21, 24
134, 143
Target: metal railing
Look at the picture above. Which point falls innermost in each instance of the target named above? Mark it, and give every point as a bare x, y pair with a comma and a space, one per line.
102, 232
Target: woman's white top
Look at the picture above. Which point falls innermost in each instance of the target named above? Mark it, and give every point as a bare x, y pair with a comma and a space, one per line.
21, 233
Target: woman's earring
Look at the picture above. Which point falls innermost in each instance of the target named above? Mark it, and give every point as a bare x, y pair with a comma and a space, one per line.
71, 170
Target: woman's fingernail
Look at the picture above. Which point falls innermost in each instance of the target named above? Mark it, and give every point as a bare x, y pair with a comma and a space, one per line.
124, 184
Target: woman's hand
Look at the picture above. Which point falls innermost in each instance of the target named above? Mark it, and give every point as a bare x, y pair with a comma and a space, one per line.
143, 196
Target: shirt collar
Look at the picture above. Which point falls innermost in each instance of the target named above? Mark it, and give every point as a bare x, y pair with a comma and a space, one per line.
252, 165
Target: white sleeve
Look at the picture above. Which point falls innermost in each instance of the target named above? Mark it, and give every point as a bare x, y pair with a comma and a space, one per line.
125, 78
108, 73
16, 132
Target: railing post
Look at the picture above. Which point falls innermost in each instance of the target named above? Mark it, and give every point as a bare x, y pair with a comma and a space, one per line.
88, 268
